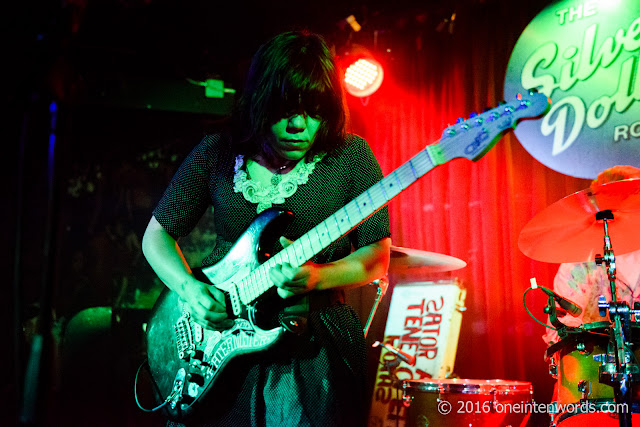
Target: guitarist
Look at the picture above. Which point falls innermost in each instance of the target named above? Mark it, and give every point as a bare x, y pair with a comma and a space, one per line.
285, 146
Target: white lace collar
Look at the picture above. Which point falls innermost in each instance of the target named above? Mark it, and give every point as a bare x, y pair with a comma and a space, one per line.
269, 195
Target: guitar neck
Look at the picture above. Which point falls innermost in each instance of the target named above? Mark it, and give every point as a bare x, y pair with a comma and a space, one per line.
342, 222
470, 139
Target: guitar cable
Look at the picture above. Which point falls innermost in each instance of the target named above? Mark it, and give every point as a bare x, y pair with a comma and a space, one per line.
524, 302
135, 392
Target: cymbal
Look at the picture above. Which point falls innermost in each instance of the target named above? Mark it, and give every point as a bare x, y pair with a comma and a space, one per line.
414, 263
567, 230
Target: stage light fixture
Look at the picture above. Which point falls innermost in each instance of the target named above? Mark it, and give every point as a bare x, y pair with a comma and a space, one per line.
363, 77
363, 73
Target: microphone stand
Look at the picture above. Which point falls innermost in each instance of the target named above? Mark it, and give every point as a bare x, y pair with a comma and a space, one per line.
624, 373
552, 311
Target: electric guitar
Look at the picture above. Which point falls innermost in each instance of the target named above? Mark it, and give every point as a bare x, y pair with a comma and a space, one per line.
185, 359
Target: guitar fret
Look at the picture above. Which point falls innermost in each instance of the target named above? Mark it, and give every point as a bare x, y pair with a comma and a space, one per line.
282, 256
255, 279
365, 204
264, 281
425, 161
335, 220
316, 230
404, 175
332, 228
413, 171
311, 241
346, 216
381, 186
340, 223
355, 203
307, 250
323, 235
242, 290
298, 253
245, 290
391, 185
378, 195
354, 211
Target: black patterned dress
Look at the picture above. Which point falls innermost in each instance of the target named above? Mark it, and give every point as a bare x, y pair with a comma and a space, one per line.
313, 379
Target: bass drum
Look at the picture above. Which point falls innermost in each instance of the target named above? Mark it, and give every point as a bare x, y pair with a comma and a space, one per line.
467, 403
581, 398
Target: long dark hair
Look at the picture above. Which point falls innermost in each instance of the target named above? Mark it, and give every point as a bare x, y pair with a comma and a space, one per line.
292, 72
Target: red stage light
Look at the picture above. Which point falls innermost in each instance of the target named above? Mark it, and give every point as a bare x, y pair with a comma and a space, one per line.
363, 77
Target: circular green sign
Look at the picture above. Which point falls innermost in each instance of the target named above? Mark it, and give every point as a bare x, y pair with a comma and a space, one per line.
585, 56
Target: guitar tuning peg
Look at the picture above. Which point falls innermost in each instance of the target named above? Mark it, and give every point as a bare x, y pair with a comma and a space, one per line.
459, 120
502, 102
486, 109
523, 104
472, 115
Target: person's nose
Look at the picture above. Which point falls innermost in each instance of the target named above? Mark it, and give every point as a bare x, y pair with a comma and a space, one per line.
297, 122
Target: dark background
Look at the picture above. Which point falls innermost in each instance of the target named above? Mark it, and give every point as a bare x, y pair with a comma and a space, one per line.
127, 111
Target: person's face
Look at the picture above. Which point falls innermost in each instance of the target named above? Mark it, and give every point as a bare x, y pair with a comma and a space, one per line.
294, 135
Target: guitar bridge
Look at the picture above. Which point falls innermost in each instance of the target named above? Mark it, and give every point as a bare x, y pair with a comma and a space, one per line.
188, 333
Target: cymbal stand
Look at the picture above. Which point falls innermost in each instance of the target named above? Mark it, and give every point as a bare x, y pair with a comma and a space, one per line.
383, 284
624, 372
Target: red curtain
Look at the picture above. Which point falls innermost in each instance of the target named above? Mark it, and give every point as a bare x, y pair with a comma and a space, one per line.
473, 211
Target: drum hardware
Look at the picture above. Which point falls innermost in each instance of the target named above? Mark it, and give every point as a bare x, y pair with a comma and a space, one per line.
581, 348
408, 398
623, 373
400, 355
603, 306
553, 370
391, 365
383, 284
584, 387
412, 265
553, 312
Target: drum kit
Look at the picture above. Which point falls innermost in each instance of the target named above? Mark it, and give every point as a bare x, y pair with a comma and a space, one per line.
595, 365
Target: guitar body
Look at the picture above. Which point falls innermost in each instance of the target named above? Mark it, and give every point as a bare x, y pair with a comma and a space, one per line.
185, 359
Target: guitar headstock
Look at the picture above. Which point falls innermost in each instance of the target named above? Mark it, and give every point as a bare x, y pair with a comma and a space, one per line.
473, 137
